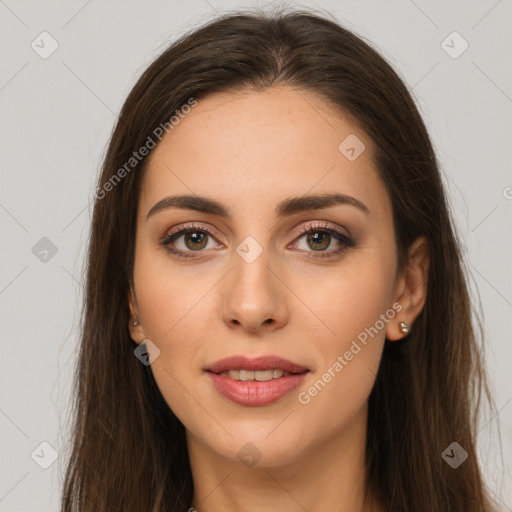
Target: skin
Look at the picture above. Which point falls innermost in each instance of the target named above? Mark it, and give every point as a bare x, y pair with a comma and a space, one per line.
250, 151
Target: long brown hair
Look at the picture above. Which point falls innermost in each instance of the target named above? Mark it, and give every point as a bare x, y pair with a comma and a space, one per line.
128, 450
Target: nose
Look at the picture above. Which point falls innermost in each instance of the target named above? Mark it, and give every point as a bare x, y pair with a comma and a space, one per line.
254, 296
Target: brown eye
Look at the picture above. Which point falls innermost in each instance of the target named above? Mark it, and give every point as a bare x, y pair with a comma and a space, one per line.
195, 240
319, 240
189, 240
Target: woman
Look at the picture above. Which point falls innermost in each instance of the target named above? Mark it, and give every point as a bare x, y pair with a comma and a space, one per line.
277, 314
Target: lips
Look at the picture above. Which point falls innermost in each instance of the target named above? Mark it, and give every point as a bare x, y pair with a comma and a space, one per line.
245, 381
261, 363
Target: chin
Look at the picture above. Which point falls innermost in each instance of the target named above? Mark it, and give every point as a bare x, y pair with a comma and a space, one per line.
259, 450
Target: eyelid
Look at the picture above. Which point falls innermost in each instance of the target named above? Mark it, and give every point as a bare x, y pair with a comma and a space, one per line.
191, 225
315, 224
345, 240
321, 225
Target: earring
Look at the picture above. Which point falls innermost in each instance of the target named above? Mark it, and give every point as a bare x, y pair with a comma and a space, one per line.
136, 323
404, 327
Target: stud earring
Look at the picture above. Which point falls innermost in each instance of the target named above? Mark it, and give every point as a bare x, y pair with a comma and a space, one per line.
404, 327
136, 323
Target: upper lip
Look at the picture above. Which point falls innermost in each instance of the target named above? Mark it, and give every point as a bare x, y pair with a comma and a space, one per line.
257, 363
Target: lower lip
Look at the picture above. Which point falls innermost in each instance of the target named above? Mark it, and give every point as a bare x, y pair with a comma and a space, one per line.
254, 393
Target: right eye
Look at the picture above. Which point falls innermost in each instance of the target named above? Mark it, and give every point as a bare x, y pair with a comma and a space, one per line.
195, 239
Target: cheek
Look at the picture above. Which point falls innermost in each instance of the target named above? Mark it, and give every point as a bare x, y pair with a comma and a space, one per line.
352, 309
173, 321
176, 312
346, 300
178, 323
169, 295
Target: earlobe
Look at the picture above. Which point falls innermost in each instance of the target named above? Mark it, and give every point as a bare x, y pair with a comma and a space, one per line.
397, 329
412, 290
135, 327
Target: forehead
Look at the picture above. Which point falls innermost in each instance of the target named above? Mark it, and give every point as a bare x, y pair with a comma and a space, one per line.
253, 148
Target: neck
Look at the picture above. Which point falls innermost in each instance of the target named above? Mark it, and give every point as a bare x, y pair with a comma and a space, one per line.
330, 475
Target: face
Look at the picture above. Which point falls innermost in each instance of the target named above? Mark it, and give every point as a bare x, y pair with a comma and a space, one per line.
313, 283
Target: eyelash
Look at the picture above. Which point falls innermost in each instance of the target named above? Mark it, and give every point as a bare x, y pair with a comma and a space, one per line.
346, 241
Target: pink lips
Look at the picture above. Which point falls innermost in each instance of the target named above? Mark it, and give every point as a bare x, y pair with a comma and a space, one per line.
256, 363
255, 393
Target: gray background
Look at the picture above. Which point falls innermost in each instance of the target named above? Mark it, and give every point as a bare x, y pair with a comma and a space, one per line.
57, 114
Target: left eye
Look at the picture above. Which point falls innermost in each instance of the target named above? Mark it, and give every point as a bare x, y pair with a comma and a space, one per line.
319, 239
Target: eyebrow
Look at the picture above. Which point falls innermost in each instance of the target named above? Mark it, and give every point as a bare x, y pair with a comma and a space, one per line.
285, 208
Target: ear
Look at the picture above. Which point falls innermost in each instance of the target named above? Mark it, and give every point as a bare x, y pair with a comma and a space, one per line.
136, 331
411, 288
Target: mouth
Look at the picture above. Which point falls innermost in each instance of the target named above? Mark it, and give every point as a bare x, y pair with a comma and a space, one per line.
258, 381
258, 375
262, 368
